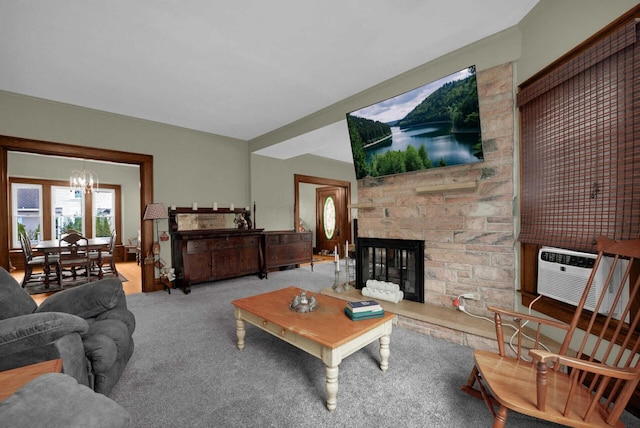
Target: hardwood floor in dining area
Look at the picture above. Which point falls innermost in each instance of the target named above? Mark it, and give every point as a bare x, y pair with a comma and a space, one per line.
129, 269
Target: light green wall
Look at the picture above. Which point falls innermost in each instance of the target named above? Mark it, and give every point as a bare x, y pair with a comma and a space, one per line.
554, 27
272, 187
189, 166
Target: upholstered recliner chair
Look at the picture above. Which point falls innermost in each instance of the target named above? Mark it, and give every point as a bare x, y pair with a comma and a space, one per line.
89, 327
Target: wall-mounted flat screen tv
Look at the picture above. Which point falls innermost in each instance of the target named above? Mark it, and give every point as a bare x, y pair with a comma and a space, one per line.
435, 125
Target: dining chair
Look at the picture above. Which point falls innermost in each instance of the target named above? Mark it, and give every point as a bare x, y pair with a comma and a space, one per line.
73, 254
101, 257
132, 248
31, 261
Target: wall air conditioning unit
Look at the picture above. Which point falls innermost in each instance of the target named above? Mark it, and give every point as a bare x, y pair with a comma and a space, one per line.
563, 275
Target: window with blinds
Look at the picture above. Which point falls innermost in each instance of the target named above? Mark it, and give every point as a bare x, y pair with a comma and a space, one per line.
580, 146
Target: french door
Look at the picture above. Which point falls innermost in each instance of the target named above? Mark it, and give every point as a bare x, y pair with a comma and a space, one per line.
332, 224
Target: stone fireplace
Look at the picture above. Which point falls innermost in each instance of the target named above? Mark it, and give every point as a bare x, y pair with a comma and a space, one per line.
463, 215
400, 261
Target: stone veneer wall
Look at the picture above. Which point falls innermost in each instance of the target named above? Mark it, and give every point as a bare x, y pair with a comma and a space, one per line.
469, 234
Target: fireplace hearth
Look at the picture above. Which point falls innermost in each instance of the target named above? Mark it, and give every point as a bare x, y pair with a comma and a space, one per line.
400, 261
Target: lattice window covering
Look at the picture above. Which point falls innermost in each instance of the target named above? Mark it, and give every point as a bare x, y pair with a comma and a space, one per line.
580, 147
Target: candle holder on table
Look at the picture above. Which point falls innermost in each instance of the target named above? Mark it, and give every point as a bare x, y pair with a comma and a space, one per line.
336, 283
347, 285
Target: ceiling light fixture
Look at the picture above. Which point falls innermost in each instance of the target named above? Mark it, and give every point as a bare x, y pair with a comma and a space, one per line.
84, 180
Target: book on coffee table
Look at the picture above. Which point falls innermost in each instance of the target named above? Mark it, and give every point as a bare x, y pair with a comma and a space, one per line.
355, 316
364, 306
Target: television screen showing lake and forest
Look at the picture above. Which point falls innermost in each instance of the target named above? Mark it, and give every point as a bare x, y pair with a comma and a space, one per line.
432, 126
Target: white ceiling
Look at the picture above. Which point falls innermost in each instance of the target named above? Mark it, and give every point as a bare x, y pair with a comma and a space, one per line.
237, 68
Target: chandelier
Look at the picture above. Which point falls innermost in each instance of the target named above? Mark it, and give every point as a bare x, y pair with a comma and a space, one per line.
84, 180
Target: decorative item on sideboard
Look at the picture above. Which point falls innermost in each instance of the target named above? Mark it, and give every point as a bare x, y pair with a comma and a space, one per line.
149, 259
241, 222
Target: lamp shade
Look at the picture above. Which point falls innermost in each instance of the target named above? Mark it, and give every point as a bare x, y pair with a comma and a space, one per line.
154, 212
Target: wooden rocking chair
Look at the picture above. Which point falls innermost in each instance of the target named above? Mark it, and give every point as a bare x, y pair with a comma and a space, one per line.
589, 386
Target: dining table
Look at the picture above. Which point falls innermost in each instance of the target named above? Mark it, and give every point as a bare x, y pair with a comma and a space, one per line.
52, 246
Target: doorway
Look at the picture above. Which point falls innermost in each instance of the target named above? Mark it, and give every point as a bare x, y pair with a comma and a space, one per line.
145, 163
331, 221
340, 191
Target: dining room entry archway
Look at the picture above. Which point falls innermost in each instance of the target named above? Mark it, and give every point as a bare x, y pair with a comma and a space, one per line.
144, 162
345, 191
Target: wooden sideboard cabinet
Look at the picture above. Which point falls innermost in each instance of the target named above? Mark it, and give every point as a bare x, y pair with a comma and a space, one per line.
205, 246
286, 248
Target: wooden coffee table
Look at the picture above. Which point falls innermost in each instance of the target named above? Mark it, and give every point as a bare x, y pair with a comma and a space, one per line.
326, 333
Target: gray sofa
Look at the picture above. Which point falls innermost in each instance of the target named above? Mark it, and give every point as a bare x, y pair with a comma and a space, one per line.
89, 327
